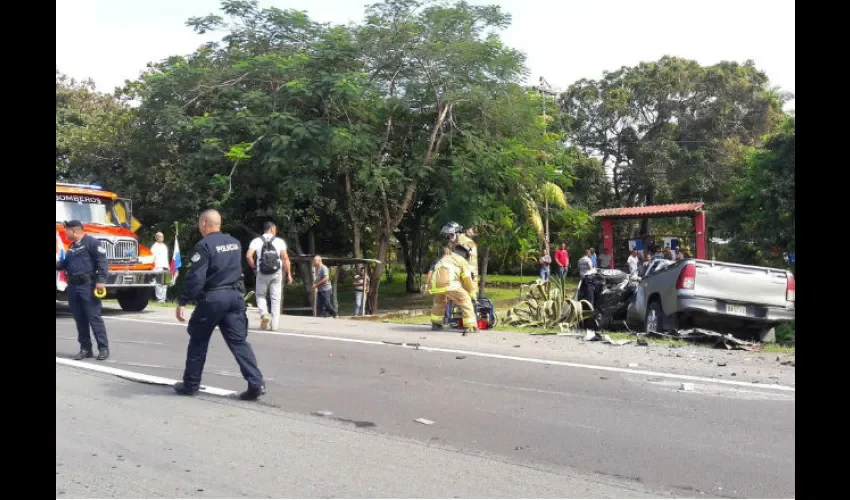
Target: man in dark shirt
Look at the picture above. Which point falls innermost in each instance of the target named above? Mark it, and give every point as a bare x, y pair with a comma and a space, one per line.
215, 282
86, 267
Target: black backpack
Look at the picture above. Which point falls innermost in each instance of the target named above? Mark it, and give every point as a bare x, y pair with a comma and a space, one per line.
269, 258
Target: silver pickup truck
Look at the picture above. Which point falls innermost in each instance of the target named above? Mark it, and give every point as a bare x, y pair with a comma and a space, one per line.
721, 295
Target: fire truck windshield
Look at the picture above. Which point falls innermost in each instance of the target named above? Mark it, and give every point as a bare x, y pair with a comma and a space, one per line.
86, 209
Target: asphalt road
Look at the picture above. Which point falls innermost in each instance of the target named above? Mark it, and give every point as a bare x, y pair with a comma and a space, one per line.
502, 428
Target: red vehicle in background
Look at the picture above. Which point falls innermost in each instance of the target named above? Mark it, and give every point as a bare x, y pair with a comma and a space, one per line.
132, 277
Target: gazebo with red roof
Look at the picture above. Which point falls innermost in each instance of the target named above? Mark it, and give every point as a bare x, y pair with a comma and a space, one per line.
693, 210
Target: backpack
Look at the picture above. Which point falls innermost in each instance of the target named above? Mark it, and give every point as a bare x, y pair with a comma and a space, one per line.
269, 258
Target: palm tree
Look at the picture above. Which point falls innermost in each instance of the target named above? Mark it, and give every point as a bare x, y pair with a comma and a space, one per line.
547, 193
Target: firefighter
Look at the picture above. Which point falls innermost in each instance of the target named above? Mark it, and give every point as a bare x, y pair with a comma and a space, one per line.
461, 243
452, 281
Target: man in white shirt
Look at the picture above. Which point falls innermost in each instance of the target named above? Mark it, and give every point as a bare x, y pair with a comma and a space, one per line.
271, 263
361, 286
585, 264
634, 261
160, 262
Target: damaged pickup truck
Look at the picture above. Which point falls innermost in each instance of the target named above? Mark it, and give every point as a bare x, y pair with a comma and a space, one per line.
747, 300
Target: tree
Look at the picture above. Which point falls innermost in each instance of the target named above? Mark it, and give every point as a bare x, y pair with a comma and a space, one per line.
760, 214
426, 61
504, 164
92, 131
251, 126
671, 130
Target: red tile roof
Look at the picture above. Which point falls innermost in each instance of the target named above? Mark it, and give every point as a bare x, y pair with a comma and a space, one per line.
673, 210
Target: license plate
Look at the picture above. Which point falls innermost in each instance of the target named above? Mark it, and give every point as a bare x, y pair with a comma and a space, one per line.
736, 310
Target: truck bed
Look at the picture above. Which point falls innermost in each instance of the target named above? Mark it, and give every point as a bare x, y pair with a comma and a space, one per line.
740, 283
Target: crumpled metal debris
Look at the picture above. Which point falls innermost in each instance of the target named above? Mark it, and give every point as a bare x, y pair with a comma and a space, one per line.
608, 340
592, 336
725, 341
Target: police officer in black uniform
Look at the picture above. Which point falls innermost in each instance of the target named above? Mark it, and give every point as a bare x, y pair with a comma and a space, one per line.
215, 282
85, 267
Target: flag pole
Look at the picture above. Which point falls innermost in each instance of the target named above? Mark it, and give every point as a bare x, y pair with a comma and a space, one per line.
175, 263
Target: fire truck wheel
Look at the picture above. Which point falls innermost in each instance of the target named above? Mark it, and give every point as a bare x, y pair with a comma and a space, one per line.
135, 300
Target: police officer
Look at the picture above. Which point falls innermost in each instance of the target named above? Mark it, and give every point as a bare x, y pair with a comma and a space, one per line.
215, 282
85, 267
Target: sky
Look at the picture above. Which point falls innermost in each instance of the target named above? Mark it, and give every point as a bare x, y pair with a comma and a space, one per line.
111, 41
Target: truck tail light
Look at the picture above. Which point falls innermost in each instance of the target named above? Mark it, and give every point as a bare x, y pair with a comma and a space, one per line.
687, 278
791, 290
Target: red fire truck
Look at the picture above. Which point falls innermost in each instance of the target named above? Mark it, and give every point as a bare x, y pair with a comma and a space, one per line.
132, 277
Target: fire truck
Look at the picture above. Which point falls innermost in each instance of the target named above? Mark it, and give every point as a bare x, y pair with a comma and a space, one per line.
132, 276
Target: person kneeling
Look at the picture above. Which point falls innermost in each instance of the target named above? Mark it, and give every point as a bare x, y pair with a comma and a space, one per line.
452, 281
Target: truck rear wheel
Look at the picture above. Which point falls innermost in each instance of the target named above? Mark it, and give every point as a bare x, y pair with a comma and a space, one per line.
658, 322
134, 300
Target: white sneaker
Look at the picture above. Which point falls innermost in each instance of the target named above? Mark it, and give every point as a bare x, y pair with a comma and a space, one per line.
264, 322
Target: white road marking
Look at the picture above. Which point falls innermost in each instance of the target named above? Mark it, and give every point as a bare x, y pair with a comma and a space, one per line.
138, 377
674, 376
130, 363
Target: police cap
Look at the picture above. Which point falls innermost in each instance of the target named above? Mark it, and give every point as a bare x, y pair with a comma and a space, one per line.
71, 224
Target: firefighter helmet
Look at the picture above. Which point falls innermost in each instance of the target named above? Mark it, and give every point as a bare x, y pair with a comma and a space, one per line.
452, 228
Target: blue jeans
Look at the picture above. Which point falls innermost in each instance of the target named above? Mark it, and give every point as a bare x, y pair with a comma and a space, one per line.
544, 274
358, 303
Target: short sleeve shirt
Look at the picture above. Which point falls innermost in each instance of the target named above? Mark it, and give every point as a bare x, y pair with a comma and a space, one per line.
321, 273
257, 243
585, 265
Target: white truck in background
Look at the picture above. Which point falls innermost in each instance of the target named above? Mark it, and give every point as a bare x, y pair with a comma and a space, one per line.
714, 295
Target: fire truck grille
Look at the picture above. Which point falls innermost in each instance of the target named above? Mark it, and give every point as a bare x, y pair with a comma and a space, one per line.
120, 249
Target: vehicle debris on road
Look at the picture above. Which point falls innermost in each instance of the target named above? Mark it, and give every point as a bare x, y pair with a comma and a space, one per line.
727, 341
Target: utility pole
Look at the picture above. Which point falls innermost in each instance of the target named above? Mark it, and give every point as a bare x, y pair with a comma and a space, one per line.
545, 90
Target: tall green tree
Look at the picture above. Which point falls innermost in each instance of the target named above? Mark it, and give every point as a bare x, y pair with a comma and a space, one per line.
430, 64
93, 132
672, 130
250, 125
760, 214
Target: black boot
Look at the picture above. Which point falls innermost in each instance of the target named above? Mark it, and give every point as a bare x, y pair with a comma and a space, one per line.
83, 354
180, 388
253, 393
102, 354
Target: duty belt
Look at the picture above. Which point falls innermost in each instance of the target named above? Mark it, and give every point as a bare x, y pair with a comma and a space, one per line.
234, 286
80, 279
